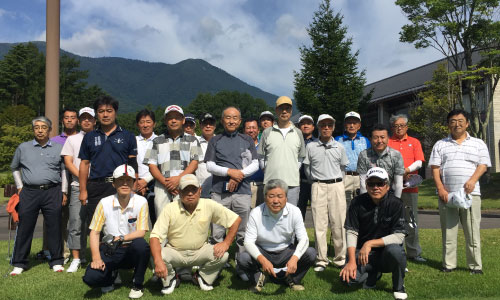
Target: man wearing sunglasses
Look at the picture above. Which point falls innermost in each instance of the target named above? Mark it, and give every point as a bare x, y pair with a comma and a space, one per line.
375, 227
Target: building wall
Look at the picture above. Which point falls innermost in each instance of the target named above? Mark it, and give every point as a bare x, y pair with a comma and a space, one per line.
494, 132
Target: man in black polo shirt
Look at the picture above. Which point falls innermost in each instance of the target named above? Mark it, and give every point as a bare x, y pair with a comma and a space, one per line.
375, 226
102, 150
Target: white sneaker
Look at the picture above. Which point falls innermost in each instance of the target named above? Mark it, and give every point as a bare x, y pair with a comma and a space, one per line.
57, 268
135, 293
169, 289
319, 269
107, 289
204, 286
16, 271
74, 266
400, 295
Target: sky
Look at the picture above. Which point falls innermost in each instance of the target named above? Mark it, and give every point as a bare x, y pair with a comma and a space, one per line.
255, 40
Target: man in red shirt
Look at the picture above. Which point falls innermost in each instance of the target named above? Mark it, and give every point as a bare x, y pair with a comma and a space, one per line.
413, 156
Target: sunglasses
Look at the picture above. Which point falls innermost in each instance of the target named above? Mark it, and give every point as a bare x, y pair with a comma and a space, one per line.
376, 184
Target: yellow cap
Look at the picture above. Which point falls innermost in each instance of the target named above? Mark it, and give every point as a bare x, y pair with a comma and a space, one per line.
283, 100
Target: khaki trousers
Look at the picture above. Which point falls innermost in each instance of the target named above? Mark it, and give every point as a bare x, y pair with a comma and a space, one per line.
210, 266
328, 204
257, 189
412, 241
470, 220
351, 184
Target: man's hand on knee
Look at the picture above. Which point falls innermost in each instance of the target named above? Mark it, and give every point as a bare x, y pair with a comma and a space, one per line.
161, 270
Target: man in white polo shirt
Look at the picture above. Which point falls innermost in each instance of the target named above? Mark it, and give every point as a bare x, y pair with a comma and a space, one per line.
457, 162
124, 219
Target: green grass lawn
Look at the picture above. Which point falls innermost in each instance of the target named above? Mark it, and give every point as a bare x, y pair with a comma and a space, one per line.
424, 281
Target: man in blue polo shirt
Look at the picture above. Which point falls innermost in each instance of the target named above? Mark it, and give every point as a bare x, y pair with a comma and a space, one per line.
354, 142
102, 150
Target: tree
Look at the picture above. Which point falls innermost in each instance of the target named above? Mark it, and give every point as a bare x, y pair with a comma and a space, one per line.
11, 136
329, 80
459, 30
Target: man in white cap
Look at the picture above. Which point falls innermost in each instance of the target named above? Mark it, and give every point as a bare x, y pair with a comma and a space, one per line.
124, 219
185, 223
172, 155
354, 142
282, 149
306, 126
375, 228
324, 165
266, 119
77, 224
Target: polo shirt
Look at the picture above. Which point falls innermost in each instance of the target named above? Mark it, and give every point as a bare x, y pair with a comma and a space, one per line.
142, 146
118, 221
72, 148
186, 231
325, 161
173, 156
457, 162
390, 160
105, 153
60, 139
231, 150
281, 154
38, 164
353, 148
411, 150
373, 221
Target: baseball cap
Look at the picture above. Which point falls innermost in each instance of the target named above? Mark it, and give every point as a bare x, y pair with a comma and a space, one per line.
306, 117
207, 116
174, 107
187, 180
87, 110
267, 114
124, 170
352, 114
377, 172
190, 118
325, 117
283, 100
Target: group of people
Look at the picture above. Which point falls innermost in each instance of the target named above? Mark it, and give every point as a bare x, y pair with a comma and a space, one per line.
201, 193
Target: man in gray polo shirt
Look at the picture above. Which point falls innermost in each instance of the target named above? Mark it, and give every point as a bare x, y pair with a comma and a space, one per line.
231, 158
324, 164
38, 171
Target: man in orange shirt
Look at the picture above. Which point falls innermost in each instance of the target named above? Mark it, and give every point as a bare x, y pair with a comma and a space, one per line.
413, 156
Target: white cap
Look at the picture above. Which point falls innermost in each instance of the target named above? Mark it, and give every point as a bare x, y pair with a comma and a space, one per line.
174, 107
352, 114
377, 172
325, 117
124, 170
266, 114
87, 110
187, 180
308, 117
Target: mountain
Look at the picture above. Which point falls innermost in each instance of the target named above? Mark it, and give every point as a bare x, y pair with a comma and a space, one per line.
136, 83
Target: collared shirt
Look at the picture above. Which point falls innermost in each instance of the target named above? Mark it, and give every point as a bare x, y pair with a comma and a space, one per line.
105, 153
121, 221
282, 154
353, 148
373, 221
275, 232
72, 148
186, 231
60, 139
173, 156
411, 150
457, 162
325, 161
391, 160
234, 151
142, 145
259, 175
39, 164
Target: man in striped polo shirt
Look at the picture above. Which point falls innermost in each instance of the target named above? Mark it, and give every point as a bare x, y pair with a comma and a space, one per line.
457, 162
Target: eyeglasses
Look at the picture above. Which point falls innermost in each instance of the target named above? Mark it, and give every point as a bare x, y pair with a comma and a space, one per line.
397, 126
326, 125
229, 118
43, 127
454, 122
376, 184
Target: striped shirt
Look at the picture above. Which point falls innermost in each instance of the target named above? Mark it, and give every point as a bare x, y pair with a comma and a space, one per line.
457, 162
118, 221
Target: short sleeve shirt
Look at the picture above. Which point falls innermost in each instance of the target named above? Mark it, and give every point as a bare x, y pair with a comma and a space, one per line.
353, 147
390, 160
325, 160
72, 148
411, 150
373, 221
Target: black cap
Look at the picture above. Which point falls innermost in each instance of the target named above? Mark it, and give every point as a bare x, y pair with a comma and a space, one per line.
207, 116
190, 118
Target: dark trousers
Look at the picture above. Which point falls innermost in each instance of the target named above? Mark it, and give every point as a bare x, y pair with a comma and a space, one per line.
389, 259
134, 255
95, 192
304, 197
31, 201
150, 196
279, 260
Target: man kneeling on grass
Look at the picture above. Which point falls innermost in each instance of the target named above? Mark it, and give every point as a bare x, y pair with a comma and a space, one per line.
185, 224
124, 216
375, 228
271, 231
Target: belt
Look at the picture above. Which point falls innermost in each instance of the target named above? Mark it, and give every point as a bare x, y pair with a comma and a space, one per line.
41, 186
102, 179
330, 180
352, 173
